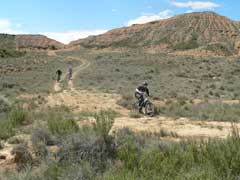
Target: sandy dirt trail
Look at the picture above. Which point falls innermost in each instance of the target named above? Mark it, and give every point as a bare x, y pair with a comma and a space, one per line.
82, 100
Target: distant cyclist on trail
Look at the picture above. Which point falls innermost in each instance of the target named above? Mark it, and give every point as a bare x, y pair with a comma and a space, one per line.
70, 73
59, 73
139, 94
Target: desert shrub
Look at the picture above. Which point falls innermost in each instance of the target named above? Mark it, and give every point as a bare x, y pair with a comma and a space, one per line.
103, 126
4, 107
52, 47
18, 116
126, 135
59, 171
40, 150
22, 156
6, 129
76, 148
116, 173
212, 159
95, 146
129, 153
221, 49
174, 109
186, 45
41, 136
84, 156
52, 171
59, 126
104, 122
4, 53
220, 112
129, 146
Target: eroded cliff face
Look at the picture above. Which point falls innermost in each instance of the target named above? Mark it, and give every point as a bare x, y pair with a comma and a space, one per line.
205, 30
237, 46
28, 42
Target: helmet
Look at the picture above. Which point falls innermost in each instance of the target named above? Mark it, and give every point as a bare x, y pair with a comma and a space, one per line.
145, 84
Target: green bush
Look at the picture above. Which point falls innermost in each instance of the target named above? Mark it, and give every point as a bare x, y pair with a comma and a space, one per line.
4, 107
59, 126
41, 136
116, 173
57, 171
52, 171
18, 116
129, 153
40, 150
129, 146
221, 49
5, 53
139, 156
89, 147
104, 123
22, 156
186, 45
6, 129
15, 118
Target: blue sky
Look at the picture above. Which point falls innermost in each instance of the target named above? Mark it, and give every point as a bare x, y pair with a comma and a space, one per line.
67, 20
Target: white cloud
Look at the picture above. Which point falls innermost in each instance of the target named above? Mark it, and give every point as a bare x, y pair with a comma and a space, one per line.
150, 17
196, 4
18, 25
6, 26
189, 11
66, 37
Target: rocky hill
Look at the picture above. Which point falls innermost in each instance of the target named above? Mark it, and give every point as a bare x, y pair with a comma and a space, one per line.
28, 42
205, 31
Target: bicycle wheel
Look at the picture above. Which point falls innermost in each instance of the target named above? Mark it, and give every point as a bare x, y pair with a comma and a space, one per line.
135, 107
149, 109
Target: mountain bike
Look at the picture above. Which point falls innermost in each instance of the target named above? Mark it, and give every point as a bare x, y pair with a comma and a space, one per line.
147, 107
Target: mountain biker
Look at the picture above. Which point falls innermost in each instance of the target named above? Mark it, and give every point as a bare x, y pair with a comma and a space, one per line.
70, 72
139, 94
59, 73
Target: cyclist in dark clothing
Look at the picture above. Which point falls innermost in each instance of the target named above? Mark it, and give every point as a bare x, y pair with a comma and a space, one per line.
59, 73
139, 94
70, 73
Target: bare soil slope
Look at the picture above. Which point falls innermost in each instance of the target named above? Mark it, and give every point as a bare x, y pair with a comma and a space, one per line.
28, 42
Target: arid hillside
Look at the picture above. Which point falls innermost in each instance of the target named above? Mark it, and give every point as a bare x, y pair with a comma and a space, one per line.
205, 31
28, 42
